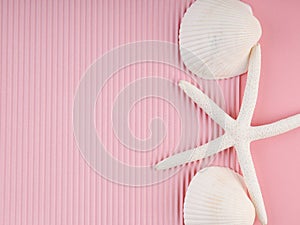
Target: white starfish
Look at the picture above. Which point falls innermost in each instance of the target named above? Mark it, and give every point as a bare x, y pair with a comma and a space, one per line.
238, 133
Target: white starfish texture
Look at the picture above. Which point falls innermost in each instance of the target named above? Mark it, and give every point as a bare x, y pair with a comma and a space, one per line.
238, 133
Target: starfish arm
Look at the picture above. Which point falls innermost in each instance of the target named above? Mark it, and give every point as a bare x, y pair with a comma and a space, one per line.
277, 128
247, 167
204, 102
251, 89
198, 153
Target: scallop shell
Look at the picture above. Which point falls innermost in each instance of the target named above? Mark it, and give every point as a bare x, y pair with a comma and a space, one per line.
218, 196
216, 37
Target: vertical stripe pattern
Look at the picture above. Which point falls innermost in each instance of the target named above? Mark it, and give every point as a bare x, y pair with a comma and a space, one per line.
46, 48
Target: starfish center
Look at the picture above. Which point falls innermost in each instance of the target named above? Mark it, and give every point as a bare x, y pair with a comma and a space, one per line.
239, 132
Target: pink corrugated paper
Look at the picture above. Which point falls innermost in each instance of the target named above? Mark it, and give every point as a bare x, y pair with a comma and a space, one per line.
46, 47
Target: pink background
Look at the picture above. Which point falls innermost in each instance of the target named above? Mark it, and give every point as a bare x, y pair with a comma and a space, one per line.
46, 46
277, 159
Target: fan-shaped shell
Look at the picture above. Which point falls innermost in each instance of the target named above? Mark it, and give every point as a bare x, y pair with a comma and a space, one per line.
217, 196
216, 37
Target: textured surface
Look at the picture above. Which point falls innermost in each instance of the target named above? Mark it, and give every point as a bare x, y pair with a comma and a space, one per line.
46, 46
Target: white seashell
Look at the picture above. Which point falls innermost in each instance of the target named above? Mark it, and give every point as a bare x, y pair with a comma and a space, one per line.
216, 37
217, 196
